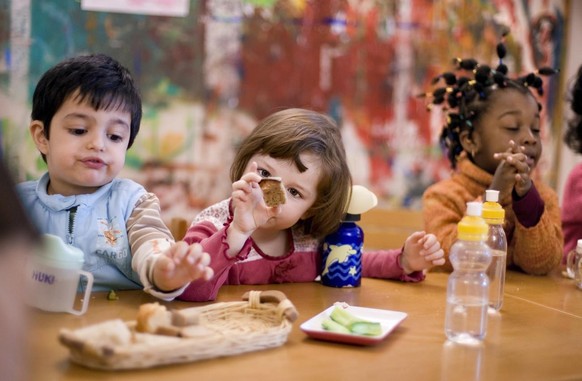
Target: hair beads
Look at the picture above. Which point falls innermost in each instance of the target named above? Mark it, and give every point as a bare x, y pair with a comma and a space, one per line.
465, 95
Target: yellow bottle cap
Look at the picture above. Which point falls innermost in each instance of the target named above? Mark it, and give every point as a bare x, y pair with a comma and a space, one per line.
473, 227
493, 212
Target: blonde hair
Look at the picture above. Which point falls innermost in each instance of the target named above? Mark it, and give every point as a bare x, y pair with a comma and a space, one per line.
288, 133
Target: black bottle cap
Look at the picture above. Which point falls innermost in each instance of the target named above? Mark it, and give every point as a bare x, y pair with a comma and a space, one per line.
351, 217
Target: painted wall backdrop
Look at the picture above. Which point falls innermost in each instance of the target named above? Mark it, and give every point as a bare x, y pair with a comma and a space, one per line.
209, 77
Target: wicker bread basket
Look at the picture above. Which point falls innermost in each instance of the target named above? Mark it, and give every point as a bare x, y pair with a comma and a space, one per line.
159, 337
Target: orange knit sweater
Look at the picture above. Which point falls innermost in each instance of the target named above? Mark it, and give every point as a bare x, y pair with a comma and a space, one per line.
535, 250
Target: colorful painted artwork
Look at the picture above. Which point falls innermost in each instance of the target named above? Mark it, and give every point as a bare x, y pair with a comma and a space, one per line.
208, 77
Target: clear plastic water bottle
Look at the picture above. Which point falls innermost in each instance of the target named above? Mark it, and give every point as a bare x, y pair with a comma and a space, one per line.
468, 285
574, 264
494, 215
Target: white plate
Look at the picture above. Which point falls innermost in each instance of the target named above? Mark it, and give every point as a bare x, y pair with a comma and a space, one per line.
388, 320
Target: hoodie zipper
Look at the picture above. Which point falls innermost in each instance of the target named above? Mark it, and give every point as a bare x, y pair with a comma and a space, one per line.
72, 213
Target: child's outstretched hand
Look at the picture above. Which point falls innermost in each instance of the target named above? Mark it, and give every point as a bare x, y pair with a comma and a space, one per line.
421, 251
181, 264
513, 171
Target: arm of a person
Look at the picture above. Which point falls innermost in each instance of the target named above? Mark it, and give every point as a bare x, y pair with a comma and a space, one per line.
214, 241
537, 248
571, 216
386, 264
441, 215
149, 238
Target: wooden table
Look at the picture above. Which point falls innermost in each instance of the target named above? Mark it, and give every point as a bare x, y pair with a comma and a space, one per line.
537, 336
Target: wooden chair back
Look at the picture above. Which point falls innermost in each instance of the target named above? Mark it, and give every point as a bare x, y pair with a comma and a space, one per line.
178, 227
389, 228
383, 228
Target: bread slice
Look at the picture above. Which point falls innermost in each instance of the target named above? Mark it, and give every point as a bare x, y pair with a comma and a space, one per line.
273, 191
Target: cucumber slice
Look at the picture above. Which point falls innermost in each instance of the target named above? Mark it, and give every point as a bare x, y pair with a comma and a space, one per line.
367, 328
351, 324
332, 326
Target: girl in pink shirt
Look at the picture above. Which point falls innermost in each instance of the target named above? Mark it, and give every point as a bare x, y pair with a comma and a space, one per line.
252, 243
571, 198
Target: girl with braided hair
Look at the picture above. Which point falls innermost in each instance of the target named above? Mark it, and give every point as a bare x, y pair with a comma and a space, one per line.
571, 219
492, 139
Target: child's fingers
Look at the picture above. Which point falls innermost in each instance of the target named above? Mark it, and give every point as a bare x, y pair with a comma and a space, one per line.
509, 157
251, 178
519, 161
238, 195
413, 241
166, 264
509, 151
436, 255
429, 242
431, 248
200, 269
416, 237
439, 262
501, 155
239, 185
200, 259
242, 196
522, 178
208, 273
195, 255
177, 251
242, 185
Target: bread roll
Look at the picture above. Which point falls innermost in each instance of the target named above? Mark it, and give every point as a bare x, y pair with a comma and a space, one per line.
151, 316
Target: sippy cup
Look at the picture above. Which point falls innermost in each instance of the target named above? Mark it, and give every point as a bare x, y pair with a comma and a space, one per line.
574, 264
53, 273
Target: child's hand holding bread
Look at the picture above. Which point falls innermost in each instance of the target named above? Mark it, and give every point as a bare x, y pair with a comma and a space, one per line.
255, 201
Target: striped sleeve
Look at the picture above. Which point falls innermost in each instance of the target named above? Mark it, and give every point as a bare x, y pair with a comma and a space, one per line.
149, 237
145, 222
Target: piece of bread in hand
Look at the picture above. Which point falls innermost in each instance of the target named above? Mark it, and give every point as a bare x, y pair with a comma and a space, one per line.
273, 191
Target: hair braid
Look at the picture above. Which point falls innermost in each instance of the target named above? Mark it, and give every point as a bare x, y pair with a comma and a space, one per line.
573, 136
465, 98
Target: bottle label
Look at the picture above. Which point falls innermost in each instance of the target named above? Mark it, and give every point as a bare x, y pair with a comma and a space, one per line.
342, 264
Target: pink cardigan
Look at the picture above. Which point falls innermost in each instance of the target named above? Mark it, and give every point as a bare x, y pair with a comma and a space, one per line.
571, 209
253, 266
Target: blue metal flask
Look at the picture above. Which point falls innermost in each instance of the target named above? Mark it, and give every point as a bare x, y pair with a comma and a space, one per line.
342, 254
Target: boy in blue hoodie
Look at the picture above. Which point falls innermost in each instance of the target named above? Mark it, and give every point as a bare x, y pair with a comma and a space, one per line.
86, 113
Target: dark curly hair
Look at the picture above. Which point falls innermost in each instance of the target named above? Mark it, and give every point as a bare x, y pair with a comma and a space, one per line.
97, 78
573, 135
466, 97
